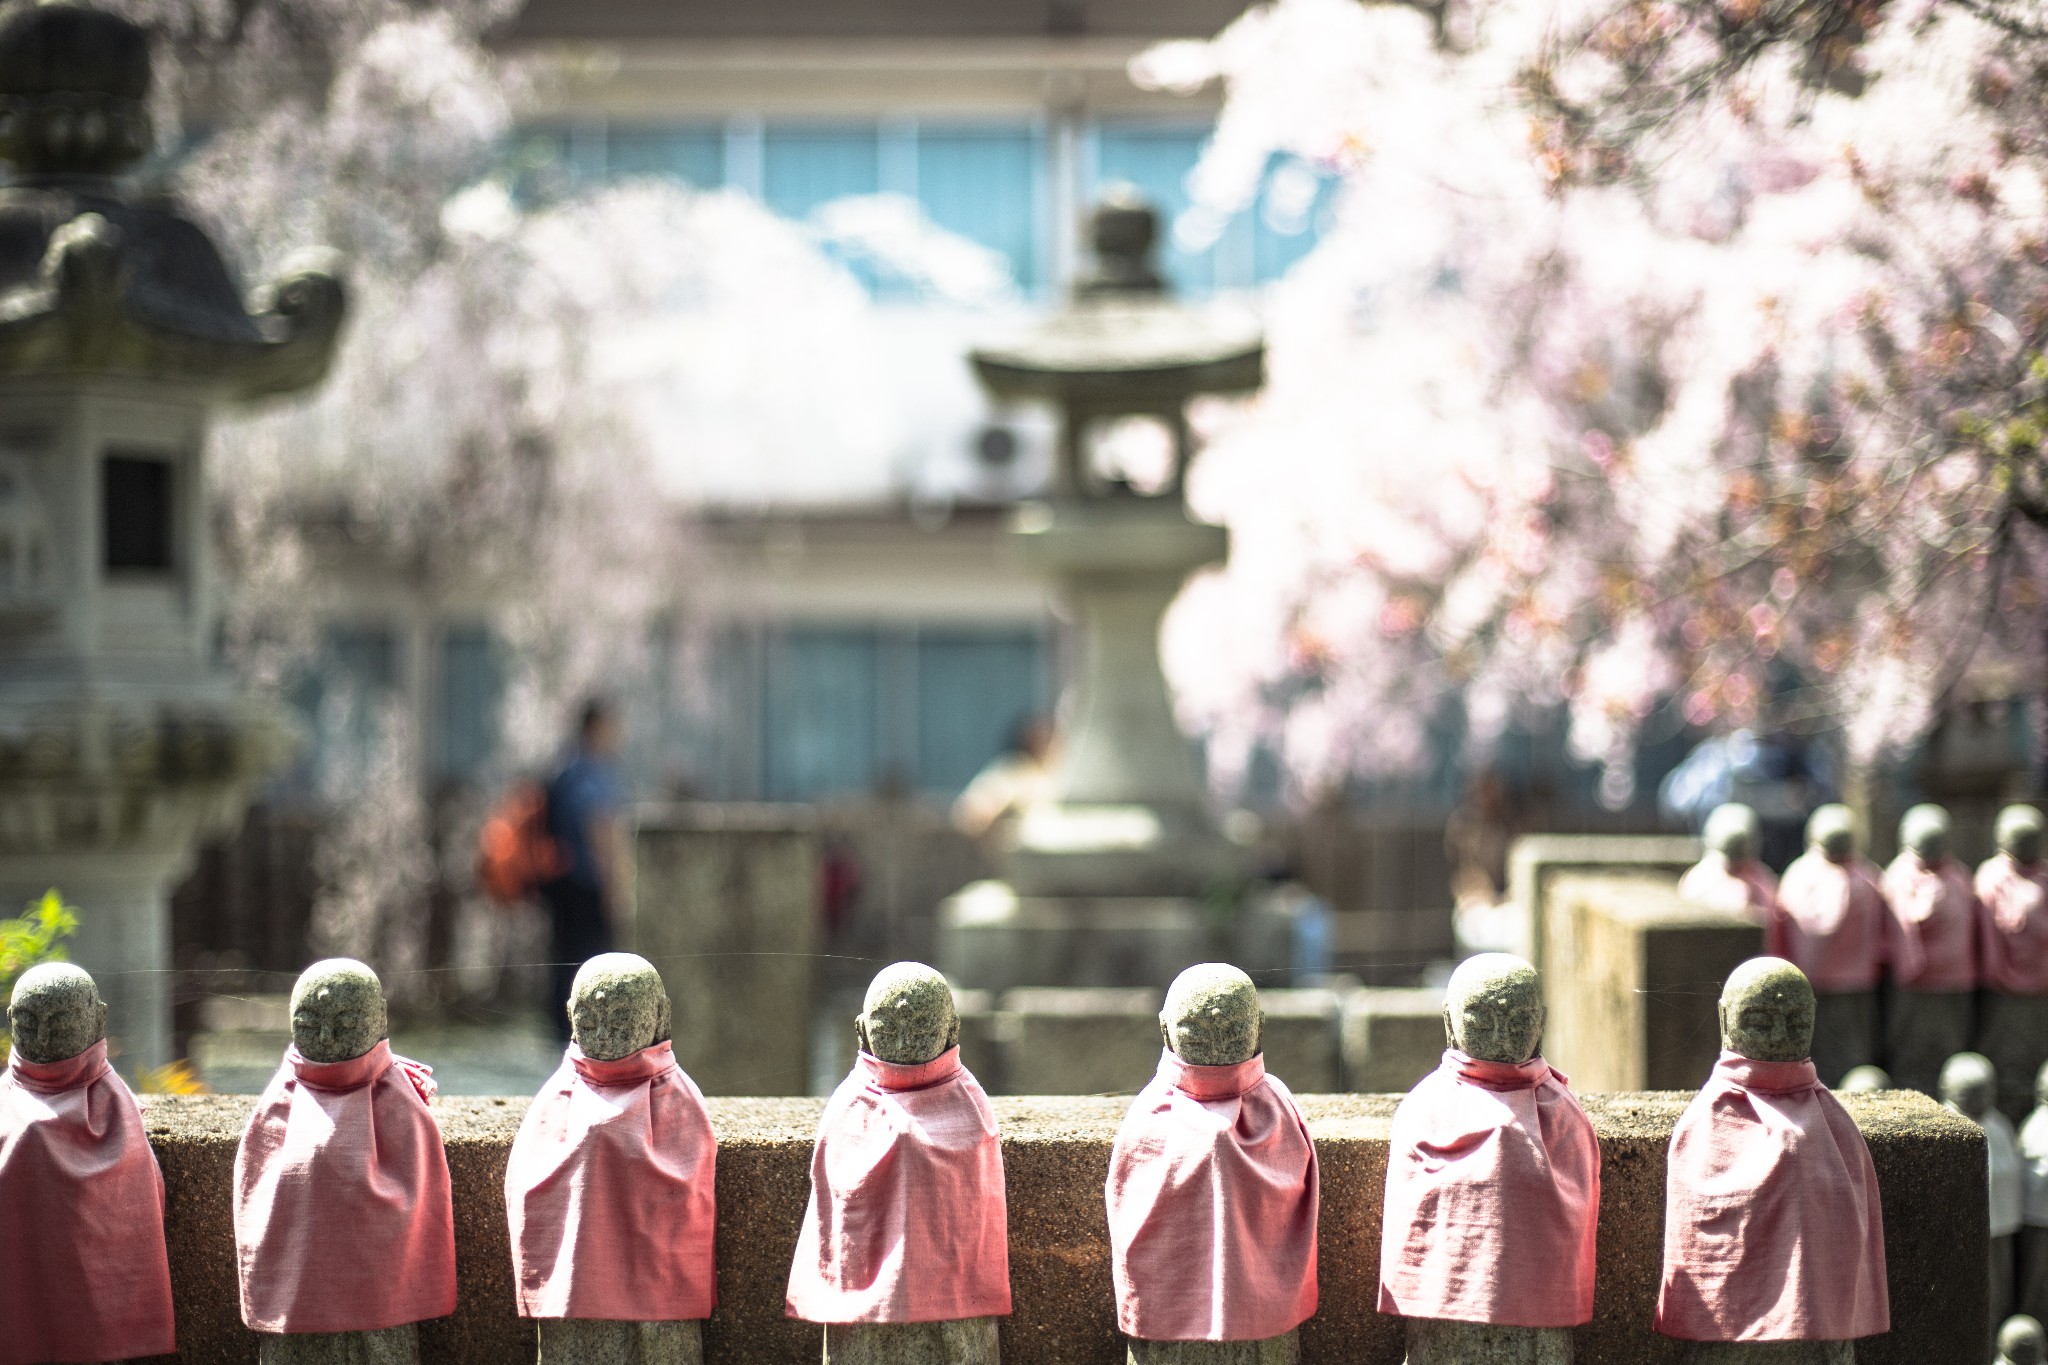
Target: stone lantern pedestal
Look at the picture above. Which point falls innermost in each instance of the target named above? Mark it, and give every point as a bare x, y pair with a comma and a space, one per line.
122, 331
1110, 880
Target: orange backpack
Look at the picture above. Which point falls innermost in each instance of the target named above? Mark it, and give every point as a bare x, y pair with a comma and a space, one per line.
515, 853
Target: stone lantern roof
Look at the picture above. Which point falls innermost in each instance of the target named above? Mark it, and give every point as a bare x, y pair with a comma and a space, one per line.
95, 280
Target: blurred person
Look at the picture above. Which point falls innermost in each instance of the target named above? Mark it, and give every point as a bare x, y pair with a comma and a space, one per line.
1013, 781
585, 903
1781, 776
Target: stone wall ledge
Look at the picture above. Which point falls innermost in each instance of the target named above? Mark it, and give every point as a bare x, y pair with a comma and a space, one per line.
1930, 1166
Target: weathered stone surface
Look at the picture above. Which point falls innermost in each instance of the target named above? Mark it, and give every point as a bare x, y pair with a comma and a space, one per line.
1537, 860
965, 1341
1080, 1042
387, 1346
1392, 1038
908, 1016
726, 910
1767, 1011
1212, 1015
1930, 1167
1773, 1353
1284, 1349
617, 1006
55, 1013
337, 1010
1636, 973
1494, 1008
1431, 1342
588, 1341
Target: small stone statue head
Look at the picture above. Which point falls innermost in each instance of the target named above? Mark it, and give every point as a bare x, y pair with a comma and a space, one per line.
337, 1011
2021, 1342
1865, 1079
1493, 1009
617, 1006
1734, 832
2041, 1086
1212, 1016
1832, 830
1969, 1084
1924, 829
2020, 834
908, 1017
56, 1013
1767, 1011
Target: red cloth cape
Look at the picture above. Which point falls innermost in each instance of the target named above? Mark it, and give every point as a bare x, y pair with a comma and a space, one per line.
609, 1193
1493, 1193
907, 1221
1772, 1228
1830, 923
1931, 937
1212, 1207
83, 1270
2015, 926
342, 1214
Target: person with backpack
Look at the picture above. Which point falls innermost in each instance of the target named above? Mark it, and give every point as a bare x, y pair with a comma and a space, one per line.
586, 897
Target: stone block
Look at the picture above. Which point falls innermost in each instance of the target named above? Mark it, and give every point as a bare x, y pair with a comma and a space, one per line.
1632, 1006
1537, 860
1930, 1170
726, 908
1079, 1042
990, 938
1304, 1039
1392, 1038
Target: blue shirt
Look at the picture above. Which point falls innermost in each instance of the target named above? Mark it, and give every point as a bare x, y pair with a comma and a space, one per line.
589, 788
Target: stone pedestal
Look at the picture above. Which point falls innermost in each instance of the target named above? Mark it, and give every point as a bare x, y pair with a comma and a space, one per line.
969, 1341
1431, 1342
1772, 1353
1284, 1349
587, 1341
1392, 1038
388, 1346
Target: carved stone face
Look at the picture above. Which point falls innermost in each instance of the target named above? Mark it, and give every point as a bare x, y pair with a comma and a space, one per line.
1969, 1084
337, 1011
1832, 830
1925, 830
617, 1006
1767, 1011
2020, 834
1493, 1009
908, 1017
1212, 1016
1734, 832
56, 1013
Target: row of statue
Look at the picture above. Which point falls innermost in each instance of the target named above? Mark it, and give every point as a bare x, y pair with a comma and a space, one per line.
1966, 958
345, 1238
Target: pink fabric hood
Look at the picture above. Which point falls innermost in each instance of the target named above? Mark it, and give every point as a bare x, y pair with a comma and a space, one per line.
1750, 890
2015, 925
907, 1221
1772, 1228
1493, 1193
342, 1215
1830, 923
609, 1193
83, 1270
1212, 1207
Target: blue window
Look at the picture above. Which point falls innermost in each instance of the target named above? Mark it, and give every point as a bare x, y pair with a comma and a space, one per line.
472, 685
694, 155
819, 724
806, 165
982, 183
974, 691
1155, 160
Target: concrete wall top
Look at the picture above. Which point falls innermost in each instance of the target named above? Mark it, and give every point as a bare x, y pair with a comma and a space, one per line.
1930, 1167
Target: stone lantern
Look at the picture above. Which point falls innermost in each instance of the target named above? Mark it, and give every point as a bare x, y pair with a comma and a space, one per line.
122, 743
1110, 870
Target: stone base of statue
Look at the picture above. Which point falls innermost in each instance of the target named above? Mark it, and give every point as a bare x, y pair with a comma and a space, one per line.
1923, 1029
1435, 1342
590, 1341
966, 1341
1845, 1033
387, 1346
1772, 1353
1284, 1349
2013, 1033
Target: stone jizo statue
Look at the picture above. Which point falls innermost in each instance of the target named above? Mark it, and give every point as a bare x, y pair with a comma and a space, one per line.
1802, 1282
1490, 1254
1831, 925
2012, 887
2021, 1342
1865, 1080
866, 1265
610, 1187
1969, 1085
1211, 1268
343, 1220
1931, 949
1729, 877
2033, 1245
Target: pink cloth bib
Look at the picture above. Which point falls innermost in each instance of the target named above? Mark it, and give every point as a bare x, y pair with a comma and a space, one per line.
83, 1270
907, 1221
342, 1214
1830, 923
1750, 890
1212, 1207
1772, 1229
1931, 936
609, 1193
2015, 926
1493, 1192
